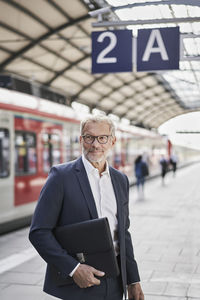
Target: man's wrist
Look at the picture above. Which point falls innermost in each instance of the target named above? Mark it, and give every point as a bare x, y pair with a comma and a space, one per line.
74, 270
134, 283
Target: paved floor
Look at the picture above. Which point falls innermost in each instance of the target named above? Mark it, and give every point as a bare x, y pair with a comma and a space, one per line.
165, 227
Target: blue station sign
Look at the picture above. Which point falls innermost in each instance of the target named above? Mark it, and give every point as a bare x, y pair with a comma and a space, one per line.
112, 51
158, 49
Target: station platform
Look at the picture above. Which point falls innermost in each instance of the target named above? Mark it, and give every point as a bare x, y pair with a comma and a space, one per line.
165, 228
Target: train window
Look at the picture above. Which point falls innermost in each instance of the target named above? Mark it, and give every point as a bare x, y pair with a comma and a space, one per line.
51, 151
4, 153
25, 153
75, 144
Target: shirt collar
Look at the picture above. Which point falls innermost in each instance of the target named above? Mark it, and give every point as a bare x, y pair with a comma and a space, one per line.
90, 168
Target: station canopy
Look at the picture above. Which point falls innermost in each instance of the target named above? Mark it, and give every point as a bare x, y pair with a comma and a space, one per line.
49, 43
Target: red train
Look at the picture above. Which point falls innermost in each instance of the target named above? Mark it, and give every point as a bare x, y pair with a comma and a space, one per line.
36, 134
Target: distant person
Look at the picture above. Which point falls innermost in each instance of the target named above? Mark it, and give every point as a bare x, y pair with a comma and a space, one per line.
173, 162
141, 171
164, 168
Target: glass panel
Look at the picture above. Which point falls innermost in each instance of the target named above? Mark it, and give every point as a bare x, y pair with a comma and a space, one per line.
25, 153
55, 156
30, 140
4, 153
32, 160
51, 151
56, 153
75, 144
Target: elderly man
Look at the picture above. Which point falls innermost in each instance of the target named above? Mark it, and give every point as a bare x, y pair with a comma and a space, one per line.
84, 189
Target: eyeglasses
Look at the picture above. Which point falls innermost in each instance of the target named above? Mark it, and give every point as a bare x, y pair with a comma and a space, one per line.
89, 139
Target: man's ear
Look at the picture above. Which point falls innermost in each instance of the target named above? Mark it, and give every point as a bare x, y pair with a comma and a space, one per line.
114, 140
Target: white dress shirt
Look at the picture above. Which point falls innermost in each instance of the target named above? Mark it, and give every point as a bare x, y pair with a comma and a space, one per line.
104, 197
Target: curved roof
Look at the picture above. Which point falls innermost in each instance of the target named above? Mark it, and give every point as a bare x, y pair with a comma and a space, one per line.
48, 41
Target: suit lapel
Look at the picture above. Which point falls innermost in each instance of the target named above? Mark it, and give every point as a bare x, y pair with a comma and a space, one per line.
85, 187
120, 217
115, 183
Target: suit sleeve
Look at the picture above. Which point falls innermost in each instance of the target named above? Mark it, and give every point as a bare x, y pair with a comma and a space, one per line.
131, 264
45, 218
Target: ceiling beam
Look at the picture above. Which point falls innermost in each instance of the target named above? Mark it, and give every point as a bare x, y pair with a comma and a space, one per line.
39, 65
165, 2
40, 21
37, 41
159, 109
145, 22
96, 79
61, 72
30, 14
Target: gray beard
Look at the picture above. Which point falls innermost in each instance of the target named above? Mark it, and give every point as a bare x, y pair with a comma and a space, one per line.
87, 155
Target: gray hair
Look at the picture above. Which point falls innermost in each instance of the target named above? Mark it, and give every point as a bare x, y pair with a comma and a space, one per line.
98, 119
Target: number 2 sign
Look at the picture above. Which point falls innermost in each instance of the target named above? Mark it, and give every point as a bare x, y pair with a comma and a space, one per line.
112, 51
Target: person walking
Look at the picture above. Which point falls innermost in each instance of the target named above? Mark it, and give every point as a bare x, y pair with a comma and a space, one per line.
173, 162
141, 171
87, 188
164, 168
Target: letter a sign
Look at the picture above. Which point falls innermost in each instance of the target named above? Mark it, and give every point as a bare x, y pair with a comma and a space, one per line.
158, 49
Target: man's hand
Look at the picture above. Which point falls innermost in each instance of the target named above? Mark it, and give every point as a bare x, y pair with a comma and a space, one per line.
135, 292
84, 276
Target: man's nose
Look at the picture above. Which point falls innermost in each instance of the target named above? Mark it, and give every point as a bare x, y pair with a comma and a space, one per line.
95, 143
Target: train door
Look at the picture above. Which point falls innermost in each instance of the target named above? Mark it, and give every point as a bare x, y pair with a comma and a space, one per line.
27, 185
6, 165
37, 148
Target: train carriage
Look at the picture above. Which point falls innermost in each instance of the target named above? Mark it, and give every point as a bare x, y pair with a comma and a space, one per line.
36, 134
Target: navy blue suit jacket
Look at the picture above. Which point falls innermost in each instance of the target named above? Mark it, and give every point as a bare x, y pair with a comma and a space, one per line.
66, 198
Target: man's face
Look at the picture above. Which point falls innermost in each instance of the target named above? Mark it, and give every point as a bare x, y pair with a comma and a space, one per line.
97, 152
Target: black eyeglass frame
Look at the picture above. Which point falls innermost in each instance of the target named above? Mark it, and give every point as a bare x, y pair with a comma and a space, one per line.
95, 137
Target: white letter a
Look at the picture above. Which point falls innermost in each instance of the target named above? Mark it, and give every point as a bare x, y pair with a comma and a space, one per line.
155, 35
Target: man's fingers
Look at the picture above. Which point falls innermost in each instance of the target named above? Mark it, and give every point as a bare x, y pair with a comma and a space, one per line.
84, 276
135, 292
95, 282
98, 273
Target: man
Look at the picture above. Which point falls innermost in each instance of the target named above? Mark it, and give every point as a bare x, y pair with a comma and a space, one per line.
86, 188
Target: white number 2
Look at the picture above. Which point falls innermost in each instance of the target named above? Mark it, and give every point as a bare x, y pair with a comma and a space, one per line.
101, 59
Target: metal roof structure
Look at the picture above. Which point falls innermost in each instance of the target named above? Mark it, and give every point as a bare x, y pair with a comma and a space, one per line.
49, 42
